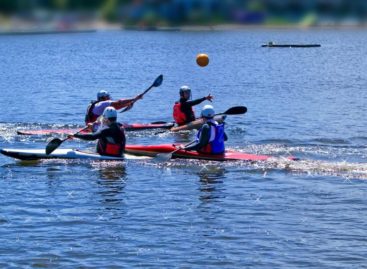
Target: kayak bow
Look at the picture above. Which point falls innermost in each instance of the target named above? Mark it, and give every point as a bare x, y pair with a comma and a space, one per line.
38, 154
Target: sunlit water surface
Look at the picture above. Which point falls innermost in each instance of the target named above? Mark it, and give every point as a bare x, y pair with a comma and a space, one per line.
309, 103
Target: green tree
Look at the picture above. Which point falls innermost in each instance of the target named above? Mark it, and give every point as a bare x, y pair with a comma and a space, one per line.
109, 10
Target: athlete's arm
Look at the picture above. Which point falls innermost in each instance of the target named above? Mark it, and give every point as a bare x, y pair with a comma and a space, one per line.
88, 137
121, 103
200, 100
203, 139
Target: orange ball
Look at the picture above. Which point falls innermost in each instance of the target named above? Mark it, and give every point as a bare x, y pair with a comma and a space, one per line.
202, 59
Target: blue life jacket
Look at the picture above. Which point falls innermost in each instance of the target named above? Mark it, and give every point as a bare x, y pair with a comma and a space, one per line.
216, 140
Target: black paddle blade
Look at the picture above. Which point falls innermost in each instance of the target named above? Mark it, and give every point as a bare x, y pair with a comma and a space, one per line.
53, 144
236, 110
160, 122
158, 81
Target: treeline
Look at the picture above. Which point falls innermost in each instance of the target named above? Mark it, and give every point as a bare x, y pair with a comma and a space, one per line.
16, 6
169, 12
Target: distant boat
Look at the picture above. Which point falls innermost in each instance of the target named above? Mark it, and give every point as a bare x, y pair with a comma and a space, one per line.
273, 45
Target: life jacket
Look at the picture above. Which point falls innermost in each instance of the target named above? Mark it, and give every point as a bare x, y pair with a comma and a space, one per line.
90, 116
180, 117
112, 146
216, 140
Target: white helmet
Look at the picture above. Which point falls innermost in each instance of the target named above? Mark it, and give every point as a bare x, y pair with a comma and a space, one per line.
103, 93
109, 112
185, 89
207, 111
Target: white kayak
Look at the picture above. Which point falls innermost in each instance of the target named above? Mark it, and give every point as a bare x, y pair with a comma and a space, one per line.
37, 154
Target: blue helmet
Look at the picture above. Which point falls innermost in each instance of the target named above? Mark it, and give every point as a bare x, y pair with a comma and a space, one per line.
102, 93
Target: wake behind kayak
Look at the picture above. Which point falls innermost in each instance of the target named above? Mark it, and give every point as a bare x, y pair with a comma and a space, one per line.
128, 127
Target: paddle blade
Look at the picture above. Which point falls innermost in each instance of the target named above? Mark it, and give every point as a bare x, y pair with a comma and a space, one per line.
158, 81
162, 157
236, 110
52, 145
160, 122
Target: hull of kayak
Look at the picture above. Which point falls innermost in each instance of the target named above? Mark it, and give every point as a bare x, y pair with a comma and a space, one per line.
292, 46
196, 124
153, 150
37, 154
128, 127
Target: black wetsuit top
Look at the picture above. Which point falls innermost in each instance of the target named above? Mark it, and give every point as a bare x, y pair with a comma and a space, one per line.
186, 107
114, 134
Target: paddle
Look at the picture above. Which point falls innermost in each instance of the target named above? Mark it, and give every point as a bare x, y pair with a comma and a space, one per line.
157, 82
56, 142
236, 110
164, 157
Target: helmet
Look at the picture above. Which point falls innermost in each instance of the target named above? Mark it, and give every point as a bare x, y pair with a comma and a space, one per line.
102, 93
207, 111
184, 89
109, 112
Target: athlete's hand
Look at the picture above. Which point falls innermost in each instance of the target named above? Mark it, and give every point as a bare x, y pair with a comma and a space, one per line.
209, 97
180, 147
140, 96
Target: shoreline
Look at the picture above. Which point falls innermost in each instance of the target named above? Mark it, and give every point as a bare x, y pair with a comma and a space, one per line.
185, 28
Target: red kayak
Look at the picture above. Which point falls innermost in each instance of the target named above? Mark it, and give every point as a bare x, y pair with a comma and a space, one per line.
153, 150
128, 127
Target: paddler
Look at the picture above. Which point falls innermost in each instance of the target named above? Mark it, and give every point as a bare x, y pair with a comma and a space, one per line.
111, 139
211, 136
183, 112
96, 108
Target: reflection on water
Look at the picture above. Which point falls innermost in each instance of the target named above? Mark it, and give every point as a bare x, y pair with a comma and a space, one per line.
111, 184
183, 137
211, 182
111, 170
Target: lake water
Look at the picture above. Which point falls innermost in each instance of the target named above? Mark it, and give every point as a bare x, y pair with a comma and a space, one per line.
309, 103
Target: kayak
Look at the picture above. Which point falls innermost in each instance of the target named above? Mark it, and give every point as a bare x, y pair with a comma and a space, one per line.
37, 154
128, 127
196, 124
132, 150
229, 155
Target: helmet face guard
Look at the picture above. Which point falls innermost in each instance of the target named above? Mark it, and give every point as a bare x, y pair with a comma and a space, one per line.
109, 113
185, 90
103, 94
207, 112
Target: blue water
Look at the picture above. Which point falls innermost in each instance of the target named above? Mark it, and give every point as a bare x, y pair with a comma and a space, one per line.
309, 103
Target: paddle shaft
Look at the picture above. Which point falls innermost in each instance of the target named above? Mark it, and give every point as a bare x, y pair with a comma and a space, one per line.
133, 102
188, 144
56, 142
157, 82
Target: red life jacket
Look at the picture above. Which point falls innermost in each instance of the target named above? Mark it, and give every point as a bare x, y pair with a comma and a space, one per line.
178, 115
90, 116
113, 149
112, 146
